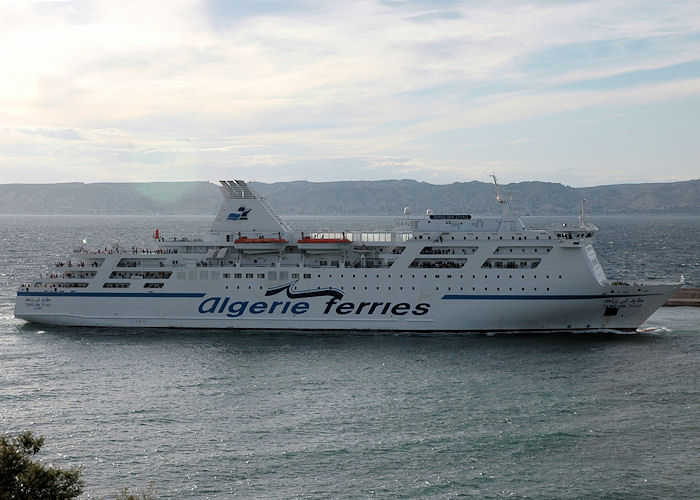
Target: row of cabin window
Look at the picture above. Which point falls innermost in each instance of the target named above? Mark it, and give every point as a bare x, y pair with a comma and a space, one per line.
126, 285
523, 249
283, 276
67, 285
78, 275
437, 276
420, 237
164, 275
437, 288
308, 276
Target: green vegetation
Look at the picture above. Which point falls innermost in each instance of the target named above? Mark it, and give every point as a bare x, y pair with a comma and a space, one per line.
22, 478
149, 494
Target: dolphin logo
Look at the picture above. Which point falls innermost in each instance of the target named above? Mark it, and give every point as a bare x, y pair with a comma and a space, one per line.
302, 294
241, 214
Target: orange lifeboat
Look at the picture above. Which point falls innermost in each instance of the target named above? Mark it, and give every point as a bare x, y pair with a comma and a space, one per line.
323, 245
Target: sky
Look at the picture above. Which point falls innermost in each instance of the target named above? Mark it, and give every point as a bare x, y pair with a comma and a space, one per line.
578, 92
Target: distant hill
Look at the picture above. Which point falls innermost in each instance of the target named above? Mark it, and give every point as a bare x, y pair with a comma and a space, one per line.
352, 198
110, 198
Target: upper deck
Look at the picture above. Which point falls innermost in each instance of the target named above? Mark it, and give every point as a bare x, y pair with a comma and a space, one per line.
248, 233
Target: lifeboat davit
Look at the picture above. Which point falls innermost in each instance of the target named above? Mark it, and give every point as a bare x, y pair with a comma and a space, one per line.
260, 245
323, 245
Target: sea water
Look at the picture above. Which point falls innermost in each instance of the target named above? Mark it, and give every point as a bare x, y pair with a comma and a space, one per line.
221, 414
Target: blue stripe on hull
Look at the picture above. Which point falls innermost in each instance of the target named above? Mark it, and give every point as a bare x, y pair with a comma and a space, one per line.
444, 297
111, 294
542, 297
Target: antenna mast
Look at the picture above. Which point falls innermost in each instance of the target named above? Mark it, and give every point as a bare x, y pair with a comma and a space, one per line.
505, 206
581, 222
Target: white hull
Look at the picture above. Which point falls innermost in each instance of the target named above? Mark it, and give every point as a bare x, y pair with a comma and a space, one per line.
447, 313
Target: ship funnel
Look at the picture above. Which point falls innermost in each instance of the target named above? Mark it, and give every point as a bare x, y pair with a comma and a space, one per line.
246, 212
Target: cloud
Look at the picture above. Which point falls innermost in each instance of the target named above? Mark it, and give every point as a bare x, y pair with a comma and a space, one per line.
281, 84
55, 133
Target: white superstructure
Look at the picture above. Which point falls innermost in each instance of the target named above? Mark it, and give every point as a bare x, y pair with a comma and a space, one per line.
438, 272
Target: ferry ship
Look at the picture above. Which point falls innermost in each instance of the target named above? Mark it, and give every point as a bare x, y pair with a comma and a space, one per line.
432, 273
